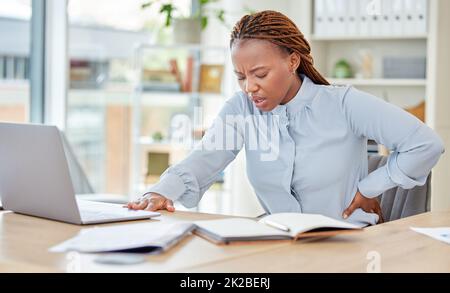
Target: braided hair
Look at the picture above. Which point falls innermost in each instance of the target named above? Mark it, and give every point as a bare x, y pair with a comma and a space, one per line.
277, 28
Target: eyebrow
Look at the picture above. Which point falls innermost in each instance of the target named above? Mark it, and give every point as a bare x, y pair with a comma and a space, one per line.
253, 70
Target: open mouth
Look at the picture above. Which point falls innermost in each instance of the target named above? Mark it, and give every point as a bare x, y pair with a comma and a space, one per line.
258, 100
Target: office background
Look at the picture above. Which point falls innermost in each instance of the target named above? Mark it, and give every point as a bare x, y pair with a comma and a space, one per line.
119, 83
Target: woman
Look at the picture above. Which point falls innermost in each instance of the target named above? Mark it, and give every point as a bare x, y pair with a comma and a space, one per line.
318, 132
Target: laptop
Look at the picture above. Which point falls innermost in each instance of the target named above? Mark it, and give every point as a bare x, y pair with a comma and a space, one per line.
35, 179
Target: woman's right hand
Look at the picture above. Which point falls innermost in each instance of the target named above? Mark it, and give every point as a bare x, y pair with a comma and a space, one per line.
152, 202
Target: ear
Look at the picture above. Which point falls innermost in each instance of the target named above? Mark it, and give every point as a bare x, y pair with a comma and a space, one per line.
294, 61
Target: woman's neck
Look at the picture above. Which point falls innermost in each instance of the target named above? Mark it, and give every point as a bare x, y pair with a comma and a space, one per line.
293, 90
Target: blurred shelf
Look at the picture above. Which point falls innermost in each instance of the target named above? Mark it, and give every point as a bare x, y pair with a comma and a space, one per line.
148, 141
198, 47
379, 82
180, 94
149, 92
368, 38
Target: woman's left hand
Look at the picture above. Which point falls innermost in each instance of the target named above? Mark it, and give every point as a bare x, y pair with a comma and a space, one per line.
369, 205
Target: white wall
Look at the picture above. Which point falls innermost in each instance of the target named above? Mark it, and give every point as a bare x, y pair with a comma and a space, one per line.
439, 100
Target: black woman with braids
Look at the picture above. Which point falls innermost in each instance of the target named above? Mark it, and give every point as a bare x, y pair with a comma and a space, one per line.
305, 140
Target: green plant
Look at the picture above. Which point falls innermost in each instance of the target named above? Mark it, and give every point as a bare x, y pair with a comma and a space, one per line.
342, 69
203, 13
157, 136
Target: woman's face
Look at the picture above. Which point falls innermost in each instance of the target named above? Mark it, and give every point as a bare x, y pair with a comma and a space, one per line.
265, 72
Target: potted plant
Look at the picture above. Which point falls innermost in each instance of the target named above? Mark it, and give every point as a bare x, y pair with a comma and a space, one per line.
187, 29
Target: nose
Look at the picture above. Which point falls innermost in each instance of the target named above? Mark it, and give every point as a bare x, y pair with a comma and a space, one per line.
250, 86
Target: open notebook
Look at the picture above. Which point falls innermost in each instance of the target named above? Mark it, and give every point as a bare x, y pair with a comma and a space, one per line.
155, 237
273, 227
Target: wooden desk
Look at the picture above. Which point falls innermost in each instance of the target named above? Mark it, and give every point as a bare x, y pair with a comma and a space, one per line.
25, 240
24, 243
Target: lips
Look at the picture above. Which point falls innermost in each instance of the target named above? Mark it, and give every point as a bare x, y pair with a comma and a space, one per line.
258, 100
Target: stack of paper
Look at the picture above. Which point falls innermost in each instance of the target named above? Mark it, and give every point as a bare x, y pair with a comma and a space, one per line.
148, 237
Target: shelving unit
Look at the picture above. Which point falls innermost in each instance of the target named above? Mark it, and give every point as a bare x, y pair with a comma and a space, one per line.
328, 50
366, 38
380, 82
162, 107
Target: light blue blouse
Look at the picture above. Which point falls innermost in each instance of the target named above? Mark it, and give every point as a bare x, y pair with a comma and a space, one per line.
310, 155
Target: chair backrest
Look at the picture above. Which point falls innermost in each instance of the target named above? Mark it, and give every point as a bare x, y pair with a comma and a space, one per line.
397, 203
81, 184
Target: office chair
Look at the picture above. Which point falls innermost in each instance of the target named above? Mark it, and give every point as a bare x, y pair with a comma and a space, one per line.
397, 203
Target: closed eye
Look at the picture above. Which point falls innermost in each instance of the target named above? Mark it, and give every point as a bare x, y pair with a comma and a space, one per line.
262, 76
258, 76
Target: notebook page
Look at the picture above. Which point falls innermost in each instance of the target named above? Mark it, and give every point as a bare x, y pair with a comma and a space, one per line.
238, 227
299, 223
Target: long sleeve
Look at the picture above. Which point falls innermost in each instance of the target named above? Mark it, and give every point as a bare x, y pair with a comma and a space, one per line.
415, 147
188, 180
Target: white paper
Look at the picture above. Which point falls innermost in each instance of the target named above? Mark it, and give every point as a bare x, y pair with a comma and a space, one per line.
122, 237
441, 233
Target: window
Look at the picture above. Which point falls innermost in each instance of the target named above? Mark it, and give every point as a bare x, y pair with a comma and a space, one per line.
102, 36
14, 60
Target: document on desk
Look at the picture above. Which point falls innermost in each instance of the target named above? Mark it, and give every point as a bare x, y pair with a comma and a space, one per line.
441, 233
140, 238
280, 226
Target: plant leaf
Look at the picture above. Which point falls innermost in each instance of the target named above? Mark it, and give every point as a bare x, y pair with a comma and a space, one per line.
167, 9
221, 15
204, 21
146, 4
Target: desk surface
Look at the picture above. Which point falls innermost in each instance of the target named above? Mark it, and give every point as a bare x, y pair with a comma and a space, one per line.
24, 243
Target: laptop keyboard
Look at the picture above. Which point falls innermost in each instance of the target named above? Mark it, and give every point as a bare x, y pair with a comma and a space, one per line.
95, 215
96, 211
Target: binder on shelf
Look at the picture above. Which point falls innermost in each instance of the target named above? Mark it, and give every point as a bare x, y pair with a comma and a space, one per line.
397, 18
364, 18
385, 19
319, 18
352, 20
409, 22
341, 17
420, 16
331, 18
373, 8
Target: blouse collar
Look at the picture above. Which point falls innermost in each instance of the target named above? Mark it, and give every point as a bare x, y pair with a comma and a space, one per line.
302, 99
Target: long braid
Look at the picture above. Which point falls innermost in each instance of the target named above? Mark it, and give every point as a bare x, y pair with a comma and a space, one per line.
281, 31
